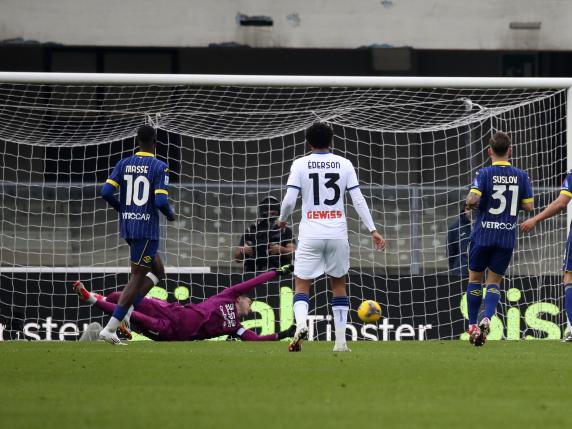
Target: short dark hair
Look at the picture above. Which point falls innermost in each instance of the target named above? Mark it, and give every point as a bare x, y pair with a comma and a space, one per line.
319, 135
146, 135
499, 143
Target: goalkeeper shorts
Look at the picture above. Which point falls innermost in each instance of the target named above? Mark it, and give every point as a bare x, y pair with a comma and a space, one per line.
142, 251
494, 258
315, 257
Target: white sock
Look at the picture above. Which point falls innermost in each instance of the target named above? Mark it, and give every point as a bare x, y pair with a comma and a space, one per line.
301, 314
127, 318
112, 325
340, 322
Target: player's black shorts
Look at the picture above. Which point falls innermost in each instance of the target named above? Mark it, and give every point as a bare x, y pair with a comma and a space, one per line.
142, 251
494, 258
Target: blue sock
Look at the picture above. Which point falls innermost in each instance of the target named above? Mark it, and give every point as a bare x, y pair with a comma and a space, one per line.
119, 312
138, 300
492, 299
340, 301
568, 300
301, 297
474, 300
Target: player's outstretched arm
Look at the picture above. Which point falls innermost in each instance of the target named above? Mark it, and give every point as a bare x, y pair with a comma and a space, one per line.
362, 210
248, 285
248, 335
553, 208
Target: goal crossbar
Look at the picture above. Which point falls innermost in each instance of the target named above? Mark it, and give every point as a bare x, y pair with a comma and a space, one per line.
291, 81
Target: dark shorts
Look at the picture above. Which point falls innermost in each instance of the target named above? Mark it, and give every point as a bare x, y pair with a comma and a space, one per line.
567, 264
142, 251
494, 258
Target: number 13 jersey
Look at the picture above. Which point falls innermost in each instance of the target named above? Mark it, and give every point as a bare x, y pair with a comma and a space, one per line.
503, 189
323, 179
139, 178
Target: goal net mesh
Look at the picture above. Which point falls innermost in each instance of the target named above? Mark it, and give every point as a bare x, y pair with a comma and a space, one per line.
228, 147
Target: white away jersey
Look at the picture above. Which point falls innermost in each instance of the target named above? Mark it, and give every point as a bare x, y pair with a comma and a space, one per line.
323, 179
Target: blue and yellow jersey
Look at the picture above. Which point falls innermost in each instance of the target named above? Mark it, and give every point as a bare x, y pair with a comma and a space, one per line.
140, 178
566, 188
503, 189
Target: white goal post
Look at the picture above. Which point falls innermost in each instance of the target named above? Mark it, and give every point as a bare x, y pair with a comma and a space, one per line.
229, 141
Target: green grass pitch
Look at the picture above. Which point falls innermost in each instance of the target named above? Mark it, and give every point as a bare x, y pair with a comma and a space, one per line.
431, 384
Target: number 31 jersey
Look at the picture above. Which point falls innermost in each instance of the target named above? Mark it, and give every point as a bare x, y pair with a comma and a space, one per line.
139, 178
323, 178
503, 189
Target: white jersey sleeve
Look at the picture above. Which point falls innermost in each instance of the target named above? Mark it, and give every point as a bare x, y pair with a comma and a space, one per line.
294, 179
352, 177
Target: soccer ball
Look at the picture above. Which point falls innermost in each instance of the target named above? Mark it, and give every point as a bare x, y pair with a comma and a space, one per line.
369, 311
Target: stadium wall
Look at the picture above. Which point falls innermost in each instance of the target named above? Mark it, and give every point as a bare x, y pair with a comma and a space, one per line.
421, 24
414, 308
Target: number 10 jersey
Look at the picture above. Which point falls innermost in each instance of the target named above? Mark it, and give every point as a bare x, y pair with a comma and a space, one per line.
503, 189
139, 178
323, 179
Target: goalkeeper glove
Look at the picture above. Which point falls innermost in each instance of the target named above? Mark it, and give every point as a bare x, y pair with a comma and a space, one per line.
287, 333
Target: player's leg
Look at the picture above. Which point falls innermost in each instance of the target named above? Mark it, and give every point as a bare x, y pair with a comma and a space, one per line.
309, 265
147, 320
491, 300
151, 280
301, 305
498, 264
567, 283
153, 277
337, 259
99, 301
478, 261
151, 317
142, 255
84, 294
340, 309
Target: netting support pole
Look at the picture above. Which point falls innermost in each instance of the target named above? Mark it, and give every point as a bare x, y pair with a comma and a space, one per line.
416, 245
569, 145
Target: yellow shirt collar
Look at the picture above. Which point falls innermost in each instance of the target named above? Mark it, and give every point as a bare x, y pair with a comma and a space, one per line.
501, 163
144, 154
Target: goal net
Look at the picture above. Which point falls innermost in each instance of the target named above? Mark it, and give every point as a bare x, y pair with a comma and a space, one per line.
228, 146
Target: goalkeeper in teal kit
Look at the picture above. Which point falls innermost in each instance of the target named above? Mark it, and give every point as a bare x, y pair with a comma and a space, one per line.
143, 182
498, 193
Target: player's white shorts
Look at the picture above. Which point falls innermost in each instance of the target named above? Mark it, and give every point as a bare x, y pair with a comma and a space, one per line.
315, 257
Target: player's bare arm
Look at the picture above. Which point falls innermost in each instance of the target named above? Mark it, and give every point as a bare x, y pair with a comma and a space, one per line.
241, 251
555, 207
378, 240
278, 249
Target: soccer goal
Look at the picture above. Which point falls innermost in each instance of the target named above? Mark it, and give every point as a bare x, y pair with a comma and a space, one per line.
229, 142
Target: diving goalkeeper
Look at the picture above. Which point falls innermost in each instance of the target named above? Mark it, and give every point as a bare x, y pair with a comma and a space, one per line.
216, 316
